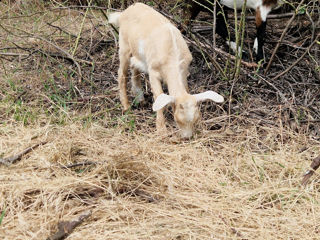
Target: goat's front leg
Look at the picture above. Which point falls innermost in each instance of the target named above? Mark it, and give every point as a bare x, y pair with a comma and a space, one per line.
157, 90
222, 29
122, 78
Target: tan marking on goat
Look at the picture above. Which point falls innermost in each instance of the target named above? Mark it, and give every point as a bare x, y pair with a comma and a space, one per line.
258, 17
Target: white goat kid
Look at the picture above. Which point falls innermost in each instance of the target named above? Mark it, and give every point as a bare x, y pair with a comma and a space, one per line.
149, 43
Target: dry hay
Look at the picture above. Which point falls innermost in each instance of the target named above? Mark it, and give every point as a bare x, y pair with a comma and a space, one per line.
143, 186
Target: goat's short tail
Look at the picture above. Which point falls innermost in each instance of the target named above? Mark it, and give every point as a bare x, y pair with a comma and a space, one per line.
114, 18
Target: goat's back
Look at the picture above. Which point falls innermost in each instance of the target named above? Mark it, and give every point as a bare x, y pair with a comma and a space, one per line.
149, 33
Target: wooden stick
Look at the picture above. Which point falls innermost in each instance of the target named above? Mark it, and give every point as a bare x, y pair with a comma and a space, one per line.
13, 159
65, 228
314, 166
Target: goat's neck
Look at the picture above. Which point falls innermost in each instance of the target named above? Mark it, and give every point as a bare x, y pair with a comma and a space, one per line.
175, 82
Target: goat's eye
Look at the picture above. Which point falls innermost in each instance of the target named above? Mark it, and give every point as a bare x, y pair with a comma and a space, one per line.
181, 106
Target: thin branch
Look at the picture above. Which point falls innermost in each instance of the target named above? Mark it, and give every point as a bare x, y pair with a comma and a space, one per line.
66, 228
13, 159
199, 47
50, 43
80, 31
282, 36
66, 53
61, 29
214, 26
223, 53
10, 54
297, 61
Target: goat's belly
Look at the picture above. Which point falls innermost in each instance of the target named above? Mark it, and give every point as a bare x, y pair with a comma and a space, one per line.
253, 4
140, 65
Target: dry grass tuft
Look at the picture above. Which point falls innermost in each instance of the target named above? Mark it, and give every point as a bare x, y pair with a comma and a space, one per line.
146, 187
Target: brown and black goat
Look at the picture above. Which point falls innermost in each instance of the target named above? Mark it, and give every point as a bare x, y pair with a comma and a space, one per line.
261, 7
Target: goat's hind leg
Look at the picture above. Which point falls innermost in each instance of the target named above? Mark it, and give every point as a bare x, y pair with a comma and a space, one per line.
123, 77
261, 23
136, 85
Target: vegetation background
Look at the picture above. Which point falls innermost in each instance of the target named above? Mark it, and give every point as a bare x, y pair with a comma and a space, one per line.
238, 178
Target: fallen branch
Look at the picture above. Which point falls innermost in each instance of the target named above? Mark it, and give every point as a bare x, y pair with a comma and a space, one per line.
314, 166
65, 228
13, 159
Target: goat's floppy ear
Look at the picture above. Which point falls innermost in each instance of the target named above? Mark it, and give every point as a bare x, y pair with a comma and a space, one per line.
161, 101
209, 95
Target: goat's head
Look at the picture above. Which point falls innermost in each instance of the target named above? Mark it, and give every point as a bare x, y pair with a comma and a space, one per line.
186, 109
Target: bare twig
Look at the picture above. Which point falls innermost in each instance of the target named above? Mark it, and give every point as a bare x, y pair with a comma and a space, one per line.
223, 53
61, 29
13, 159
314, 166
80, 31
66, 53
214, 26
10, 54
106, 17
200, 47
282, 36
65, 228
297, 61
282, 96
50, 43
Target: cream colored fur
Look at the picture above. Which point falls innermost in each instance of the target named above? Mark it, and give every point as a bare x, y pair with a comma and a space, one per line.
149, 42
